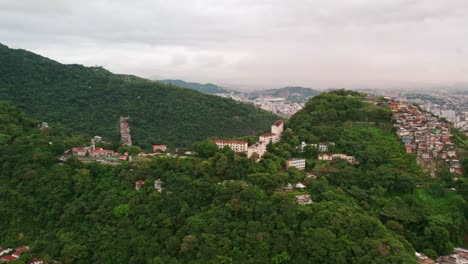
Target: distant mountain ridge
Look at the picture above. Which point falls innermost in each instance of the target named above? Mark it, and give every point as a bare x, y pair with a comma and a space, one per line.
91, 99
292, 93
207, 88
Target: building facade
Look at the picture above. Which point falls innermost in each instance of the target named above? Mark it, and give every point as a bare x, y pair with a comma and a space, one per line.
297, 163
236, 146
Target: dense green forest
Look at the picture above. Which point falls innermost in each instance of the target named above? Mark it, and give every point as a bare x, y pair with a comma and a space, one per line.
221, 207
91, 99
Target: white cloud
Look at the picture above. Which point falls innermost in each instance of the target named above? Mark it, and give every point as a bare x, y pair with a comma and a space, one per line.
352, 43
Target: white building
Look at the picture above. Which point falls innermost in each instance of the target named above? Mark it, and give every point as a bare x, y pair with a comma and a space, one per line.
297, 163
304, 199
259, 148
277, 128
236, 146
269, 137
158, 185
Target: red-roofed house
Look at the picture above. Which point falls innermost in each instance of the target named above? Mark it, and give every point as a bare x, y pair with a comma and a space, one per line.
7, 259
138, 184
162, 148
36, 261
79, 152
101, 153
408, 149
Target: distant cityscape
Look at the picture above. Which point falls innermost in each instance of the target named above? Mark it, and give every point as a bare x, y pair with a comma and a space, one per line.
277, 105
450, 105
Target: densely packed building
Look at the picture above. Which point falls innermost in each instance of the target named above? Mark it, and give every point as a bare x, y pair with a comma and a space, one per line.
125, 136
426, 136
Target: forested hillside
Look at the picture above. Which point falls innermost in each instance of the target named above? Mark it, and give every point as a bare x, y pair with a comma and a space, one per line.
221, 207
208, 88
89, 213
91, 99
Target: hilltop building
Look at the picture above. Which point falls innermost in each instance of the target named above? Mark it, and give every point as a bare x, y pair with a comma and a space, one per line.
259, 148
236, 146
304, 199
277, 128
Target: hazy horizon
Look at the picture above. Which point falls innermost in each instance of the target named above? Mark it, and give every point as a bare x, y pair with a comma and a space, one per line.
255, 45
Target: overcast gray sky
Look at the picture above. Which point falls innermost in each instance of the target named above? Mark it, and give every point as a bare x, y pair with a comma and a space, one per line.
252, 43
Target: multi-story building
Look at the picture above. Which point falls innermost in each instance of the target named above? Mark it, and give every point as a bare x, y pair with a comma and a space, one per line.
269, 137
297, 163
236, 146
259, 148
277, 128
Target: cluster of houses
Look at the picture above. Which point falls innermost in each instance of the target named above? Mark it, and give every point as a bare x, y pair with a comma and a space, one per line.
426, 136
301, 199
157, 185
459, 255
125, 136
96, 154
92, 153
8, 254
260, 147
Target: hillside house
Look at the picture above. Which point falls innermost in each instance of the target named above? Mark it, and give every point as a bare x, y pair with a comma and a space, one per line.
162, 148
304, 199
102, 153
80, 152
325, 157
139, 184
277, 128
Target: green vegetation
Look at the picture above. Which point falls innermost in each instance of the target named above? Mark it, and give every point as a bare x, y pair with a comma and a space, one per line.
91, 99
225, 208
207, 88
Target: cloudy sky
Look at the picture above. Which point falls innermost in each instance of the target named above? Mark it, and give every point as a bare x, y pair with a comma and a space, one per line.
252, 43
